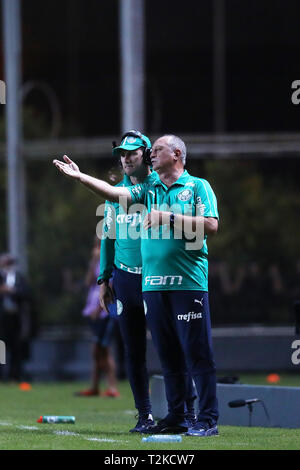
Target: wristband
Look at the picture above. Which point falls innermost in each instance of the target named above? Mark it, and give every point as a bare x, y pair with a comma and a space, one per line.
172, 217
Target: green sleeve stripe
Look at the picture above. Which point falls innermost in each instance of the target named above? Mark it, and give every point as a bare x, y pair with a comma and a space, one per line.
214, 202
211, 198
215, 205
207, 196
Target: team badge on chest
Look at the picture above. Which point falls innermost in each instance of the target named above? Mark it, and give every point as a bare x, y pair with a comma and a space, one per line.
185, 195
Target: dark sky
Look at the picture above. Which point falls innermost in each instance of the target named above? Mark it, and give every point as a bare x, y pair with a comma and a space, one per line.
72, 45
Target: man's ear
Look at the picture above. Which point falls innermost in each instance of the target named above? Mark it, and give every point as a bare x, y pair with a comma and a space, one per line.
177, 153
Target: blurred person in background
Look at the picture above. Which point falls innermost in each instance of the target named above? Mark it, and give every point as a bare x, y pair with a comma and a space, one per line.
102, 324
16, 316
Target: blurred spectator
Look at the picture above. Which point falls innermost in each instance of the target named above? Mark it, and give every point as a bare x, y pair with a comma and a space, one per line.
276, 304
251, 300
250, 293
276, 279
17, 319
227, 284
217, 299
293, 281
103, 328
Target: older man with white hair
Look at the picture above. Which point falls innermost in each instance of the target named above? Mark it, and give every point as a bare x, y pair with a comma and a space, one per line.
181, 211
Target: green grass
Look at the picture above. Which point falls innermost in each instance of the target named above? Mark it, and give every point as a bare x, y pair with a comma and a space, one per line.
103, 423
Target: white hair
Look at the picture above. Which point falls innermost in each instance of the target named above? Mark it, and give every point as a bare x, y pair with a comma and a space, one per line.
175, 143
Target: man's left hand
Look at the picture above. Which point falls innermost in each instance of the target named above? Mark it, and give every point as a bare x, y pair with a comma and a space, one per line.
156, 218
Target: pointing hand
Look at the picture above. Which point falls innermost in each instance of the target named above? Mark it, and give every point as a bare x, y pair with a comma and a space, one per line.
68, 167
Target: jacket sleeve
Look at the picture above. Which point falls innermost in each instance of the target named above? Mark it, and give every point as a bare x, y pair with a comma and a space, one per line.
107, 251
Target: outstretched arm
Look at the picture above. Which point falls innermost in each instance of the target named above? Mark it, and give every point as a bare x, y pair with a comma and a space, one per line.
112, 193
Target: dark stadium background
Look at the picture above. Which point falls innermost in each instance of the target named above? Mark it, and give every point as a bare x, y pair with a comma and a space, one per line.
73, 47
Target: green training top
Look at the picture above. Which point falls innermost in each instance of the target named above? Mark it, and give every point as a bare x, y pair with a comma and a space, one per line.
171, 262
121, 240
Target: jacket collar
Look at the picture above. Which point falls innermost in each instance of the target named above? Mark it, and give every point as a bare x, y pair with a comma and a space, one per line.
149, 178
182, 180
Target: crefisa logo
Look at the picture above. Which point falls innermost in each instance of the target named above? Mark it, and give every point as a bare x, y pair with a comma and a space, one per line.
189, 316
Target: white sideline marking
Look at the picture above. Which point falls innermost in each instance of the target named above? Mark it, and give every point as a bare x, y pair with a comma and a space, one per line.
61, 432
30, 428
98, 439
66, 433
